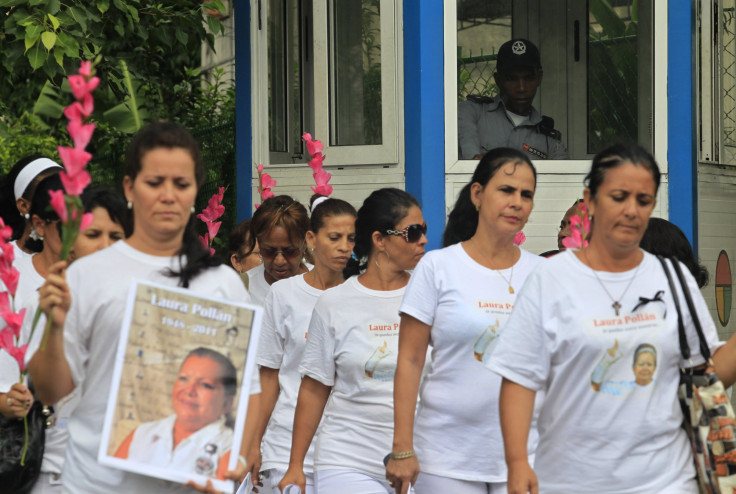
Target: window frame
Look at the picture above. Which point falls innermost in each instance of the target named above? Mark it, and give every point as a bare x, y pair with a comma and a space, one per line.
316, 95
454, 165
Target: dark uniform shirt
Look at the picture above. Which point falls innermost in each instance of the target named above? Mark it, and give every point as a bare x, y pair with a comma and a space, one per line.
484, 125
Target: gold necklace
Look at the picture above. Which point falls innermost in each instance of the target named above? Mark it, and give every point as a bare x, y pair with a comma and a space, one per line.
508, 282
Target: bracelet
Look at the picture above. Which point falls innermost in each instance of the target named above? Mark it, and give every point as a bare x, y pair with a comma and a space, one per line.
242, 460
402, 455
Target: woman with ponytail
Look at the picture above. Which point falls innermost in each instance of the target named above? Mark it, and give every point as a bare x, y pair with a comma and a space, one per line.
289, 306
459, 298
350, 354
86, 303
278, 229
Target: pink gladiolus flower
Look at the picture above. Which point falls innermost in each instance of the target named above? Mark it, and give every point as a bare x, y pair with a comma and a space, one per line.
7, 255
81, 87
87, 219
321, 177
4, 302
316, 162
213, 227
81, 133
267, 182
260, 168
322, 189
206, 242
257, 205
313, 145
74, 185
19, 354
519, 238
14, 320
7, 340
575, 240
10, 277
5, 231
59, 204
85, 68
74, 159
267, 194
74, 112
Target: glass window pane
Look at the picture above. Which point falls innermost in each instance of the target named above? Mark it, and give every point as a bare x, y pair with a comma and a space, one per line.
613, 76
355, 73
482, 27
284, 77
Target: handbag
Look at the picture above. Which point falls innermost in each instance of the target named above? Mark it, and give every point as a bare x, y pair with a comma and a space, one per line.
708, 417
14, 477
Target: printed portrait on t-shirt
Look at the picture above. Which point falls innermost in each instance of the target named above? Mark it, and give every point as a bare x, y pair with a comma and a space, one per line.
643, 368
490, 314
380, 362
482, 348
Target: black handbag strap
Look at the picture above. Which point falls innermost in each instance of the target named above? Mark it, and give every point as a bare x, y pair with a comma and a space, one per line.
684, 346
704, 350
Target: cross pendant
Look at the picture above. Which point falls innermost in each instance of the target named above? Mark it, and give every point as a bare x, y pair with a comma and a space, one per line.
616, 306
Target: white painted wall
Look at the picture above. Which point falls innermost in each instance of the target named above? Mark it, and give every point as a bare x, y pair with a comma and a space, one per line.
717, 230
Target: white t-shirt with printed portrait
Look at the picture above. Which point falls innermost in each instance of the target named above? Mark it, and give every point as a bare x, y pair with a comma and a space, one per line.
352, 345
606, 425
457, 432
288, 309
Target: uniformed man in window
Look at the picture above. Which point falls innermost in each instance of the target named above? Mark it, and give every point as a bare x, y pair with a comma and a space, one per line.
509, 119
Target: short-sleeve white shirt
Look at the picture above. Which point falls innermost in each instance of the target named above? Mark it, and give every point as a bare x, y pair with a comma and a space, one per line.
99, 285
564, 337
457, 433
288, 310
352, 346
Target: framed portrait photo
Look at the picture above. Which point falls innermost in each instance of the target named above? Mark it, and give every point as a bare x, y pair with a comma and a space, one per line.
181, 381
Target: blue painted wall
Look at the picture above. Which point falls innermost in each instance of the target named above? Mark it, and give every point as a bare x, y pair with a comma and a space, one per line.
682, 138
243, 126
424, 116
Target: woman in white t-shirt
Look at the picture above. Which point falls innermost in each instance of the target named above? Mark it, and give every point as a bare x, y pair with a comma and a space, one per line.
277, 229
86, 303
586, 319
350, 356
16, 194
289, 306
458, 299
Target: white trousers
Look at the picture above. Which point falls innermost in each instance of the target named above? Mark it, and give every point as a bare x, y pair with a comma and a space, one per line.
434, 484
349, 481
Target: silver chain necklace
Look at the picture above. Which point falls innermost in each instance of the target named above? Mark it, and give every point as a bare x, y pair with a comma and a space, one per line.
616, 304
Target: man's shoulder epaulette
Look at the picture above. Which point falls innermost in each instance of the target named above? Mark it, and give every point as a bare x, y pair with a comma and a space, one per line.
547, 127
481, 100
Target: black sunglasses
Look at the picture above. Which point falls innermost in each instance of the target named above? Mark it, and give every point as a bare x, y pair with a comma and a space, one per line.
288, 252
412, 233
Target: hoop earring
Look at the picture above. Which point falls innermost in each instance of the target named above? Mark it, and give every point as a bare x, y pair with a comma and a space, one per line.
379, 253
477, 207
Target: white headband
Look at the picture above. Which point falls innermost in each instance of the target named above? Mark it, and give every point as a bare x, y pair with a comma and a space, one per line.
317, 202
29, 172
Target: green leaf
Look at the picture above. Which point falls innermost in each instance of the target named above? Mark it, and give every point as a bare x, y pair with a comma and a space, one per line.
70, 45
182, 36
134, 13
47, 104
103, 5
36, 56
52, 6
11, 3
33, 32
119, 28
214, 24
48, 39
54, 21
59, 56
80, 17
119, 5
